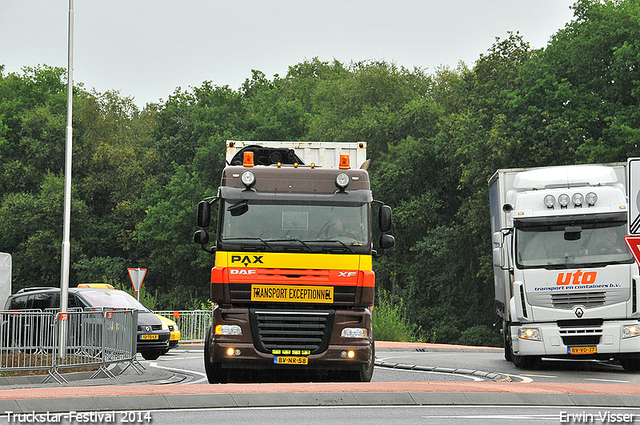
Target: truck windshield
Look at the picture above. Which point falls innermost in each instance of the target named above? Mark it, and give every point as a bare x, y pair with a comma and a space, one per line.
303, 226
562, 245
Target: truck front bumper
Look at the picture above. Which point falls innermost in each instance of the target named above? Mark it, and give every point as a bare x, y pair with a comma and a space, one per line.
603, 342
245, 356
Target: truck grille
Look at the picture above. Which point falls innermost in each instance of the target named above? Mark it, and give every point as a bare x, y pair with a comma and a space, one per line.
581, 336
585, 299
291, 329
344, 296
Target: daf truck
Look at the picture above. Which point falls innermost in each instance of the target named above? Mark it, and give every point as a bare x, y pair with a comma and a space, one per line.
566, 285
292, 284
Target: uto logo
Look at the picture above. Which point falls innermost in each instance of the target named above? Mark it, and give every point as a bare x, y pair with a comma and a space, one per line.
246, 260
577, 278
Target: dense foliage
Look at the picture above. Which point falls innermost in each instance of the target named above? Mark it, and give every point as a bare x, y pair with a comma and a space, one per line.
434, 141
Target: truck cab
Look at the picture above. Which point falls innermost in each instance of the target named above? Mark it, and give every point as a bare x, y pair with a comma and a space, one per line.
565, 281
293, 284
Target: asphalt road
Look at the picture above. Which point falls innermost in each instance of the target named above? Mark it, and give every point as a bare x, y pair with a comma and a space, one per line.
419, 383
446, 364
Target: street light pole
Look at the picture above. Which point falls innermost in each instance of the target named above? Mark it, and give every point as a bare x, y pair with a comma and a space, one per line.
66, 245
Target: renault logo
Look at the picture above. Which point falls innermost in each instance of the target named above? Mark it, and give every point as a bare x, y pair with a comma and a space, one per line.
148, 328
579, 312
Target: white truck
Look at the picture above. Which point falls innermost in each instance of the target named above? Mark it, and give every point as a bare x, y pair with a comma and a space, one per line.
5, 277
566, 285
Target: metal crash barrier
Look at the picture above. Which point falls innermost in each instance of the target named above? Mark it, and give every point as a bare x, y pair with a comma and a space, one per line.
193, 324
95, 339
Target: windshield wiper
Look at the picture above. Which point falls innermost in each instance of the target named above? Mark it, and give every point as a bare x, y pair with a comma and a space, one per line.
304, 244
265, 244
339, 249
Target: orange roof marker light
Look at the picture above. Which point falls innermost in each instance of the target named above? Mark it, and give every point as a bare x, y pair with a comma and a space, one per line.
344, 162
248, 159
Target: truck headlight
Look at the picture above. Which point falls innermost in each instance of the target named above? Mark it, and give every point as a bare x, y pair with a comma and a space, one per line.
532, 334
354, 333
228, 330
629, 331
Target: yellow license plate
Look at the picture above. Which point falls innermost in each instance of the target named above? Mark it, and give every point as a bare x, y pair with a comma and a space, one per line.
291, 360
582, 350
148, 336
292, 294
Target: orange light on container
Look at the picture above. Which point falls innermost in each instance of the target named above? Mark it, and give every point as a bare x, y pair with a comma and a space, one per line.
344, 162
248, 159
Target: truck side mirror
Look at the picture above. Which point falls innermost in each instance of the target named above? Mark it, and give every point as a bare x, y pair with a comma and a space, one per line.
204, 214
498, 259
201, 237
387, 241
497, 238
384, 218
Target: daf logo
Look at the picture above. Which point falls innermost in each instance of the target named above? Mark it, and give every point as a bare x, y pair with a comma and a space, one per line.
579, 312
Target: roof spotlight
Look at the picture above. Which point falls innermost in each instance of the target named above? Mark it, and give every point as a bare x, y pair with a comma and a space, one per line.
591, 198
549, 201
563, 200
342, 180
577, 199
248, 178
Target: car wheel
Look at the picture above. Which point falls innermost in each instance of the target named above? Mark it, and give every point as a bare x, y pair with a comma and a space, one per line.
151, 355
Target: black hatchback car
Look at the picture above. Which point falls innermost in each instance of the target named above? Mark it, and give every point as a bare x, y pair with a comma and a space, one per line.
153, 334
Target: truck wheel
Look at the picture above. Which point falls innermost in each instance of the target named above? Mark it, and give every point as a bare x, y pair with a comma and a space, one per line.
630, 365
506, 339
364, 373
215, 373
525, 362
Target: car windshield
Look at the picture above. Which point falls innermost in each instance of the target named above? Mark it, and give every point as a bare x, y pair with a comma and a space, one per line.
111, 298
306, 224
561, 245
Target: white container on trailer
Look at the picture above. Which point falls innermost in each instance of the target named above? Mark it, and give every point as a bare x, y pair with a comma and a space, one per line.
322, 154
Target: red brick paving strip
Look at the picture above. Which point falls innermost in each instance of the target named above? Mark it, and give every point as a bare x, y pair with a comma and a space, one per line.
425, 386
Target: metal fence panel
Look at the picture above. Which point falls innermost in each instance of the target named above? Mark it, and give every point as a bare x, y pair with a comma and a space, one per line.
193, 324
29, 340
